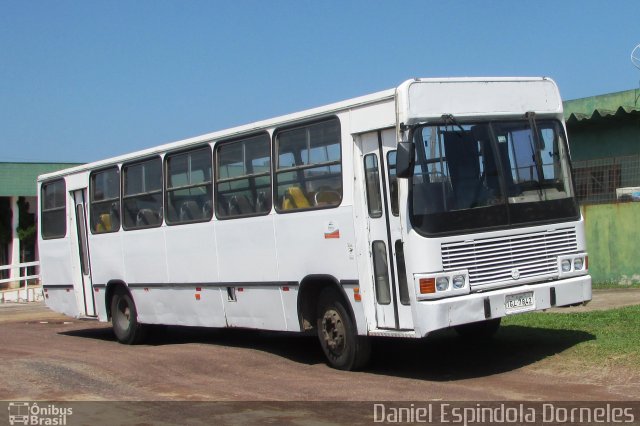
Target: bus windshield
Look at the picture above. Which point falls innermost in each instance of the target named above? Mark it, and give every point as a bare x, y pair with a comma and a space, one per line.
497, 174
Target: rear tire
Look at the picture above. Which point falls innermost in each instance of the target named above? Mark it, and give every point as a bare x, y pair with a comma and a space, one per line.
341, 344
124, 318
482, 330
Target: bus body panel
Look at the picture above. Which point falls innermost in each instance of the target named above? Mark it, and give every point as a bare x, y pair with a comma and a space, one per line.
246, 250
107, 257
316, 243
191, 253
145, 257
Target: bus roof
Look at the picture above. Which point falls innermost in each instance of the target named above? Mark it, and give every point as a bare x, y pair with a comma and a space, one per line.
233, 132
292, 118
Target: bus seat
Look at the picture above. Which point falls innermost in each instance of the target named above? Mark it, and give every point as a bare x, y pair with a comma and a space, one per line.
104, 223
114, 214
239, 204
207, 209
263, 202
431, 197
222, 205
294, 198
147, 217
327, 198
189, 210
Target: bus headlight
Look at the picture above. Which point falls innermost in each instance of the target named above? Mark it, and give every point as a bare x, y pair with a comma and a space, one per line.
458, 281
572, 264
442, 283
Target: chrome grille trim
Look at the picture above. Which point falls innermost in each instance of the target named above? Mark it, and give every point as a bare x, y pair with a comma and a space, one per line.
491, 260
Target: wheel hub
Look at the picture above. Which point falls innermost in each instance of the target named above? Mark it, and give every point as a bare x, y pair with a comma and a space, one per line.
333, 330
124, 314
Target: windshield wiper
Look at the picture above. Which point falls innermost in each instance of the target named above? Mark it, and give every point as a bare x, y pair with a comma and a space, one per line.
449, 118
535, 157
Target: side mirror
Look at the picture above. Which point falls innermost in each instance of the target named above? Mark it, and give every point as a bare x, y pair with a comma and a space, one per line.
406, 159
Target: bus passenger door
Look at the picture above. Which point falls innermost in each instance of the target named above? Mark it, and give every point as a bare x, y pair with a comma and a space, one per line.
80, 243
393, 309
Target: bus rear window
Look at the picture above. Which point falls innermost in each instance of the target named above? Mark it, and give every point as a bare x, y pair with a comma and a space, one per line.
54, 212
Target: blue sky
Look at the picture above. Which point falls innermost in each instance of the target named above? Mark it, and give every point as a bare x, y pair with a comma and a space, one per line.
86, 80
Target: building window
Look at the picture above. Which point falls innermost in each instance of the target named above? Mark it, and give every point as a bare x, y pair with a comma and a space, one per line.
105, 201
308, 167
597, 182
54, 212
142, 194
243, 177
189, 186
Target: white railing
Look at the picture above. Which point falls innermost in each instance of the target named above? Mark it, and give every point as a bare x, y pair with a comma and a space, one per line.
24, 293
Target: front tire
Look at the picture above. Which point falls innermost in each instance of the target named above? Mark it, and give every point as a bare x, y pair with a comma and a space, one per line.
341, 344
124, 318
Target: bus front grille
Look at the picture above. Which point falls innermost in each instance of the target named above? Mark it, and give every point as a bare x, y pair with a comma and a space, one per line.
503, 260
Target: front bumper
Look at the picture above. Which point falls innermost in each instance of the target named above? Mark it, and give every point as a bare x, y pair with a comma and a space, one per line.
433, 315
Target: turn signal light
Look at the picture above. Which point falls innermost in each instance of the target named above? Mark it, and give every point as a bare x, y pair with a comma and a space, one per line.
427, 285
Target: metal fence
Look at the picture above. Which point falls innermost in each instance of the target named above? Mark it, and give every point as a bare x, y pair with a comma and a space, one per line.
608, 180
29, 288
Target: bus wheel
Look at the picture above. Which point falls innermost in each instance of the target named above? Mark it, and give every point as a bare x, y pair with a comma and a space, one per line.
479, 330
124, 318
342, 346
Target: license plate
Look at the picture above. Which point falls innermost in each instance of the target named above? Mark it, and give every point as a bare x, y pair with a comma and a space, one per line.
519, 302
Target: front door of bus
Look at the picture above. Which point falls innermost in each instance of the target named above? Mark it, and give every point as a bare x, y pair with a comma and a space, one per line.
82, 245
393, 309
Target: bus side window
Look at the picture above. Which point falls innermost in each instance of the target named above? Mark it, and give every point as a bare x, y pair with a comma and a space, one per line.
105, 201
393, 182
372, 179
142, 194
189, 186
308, 167
243, 177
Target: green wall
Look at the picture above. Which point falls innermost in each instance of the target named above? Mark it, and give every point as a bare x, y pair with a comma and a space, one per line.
605, 138
613, 242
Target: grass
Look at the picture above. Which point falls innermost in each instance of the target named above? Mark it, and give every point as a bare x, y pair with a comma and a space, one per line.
613, 285
602, 339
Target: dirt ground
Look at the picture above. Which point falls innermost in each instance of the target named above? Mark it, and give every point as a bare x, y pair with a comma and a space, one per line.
46, 356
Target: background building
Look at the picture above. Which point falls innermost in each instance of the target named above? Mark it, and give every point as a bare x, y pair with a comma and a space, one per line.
604, 134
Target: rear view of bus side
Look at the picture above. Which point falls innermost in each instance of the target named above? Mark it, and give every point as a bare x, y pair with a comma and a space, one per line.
441, 203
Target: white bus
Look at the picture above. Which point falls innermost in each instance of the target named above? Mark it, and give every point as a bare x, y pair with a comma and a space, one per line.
440, 203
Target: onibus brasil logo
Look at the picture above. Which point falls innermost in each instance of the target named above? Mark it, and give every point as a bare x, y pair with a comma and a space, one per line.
26, 413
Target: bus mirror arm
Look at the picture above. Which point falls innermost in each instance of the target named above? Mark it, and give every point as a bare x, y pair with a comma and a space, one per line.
405, 160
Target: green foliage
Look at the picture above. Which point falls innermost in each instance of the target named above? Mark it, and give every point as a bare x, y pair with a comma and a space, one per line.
27, 234
26, 222
614, 285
